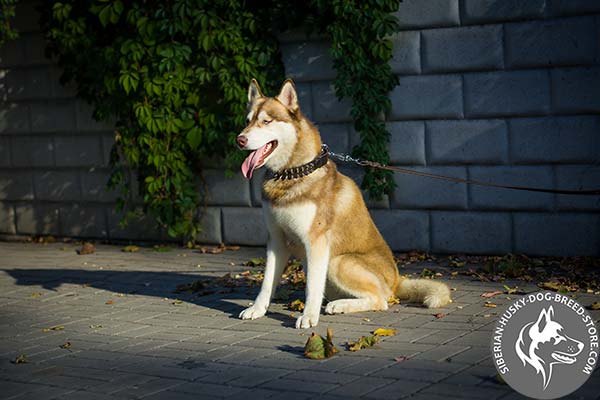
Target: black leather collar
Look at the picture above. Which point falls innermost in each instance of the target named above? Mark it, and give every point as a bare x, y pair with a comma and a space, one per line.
304, 169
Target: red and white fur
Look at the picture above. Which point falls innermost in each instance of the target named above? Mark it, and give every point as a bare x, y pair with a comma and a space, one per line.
321, 218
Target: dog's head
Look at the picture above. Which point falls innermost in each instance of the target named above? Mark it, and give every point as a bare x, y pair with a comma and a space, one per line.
275, 127
544, 343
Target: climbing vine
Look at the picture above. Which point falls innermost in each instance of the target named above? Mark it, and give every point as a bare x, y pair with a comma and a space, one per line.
173, 76
7, 12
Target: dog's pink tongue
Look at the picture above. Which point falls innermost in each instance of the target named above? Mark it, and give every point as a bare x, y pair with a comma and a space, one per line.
252, 162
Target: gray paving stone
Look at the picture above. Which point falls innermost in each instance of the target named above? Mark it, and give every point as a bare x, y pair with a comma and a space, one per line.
32, 151
414, 14
458, 231
481, 11
407, 142
546, 229
491, 94
576, 90
360, 387
425, 193
462, 49
554, 139
467, 142
398, 389
427, 96
487, 198
544, 43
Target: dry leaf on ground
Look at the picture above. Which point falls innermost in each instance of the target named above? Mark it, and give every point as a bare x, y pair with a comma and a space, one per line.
87, 248
491, 305
384, 332
393, 300
318, 348
109, 302
439, 315
21, 359
362, 343
65, 345
54, 328
36, 294
491, 294
130, 249
177, 302
296, 305
401, 359
594, 306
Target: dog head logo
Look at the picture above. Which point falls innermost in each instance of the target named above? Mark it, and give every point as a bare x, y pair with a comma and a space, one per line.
542, 344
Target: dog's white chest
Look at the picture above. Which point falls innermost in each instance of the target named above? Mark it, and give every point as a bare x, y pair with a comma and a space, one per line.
294, 220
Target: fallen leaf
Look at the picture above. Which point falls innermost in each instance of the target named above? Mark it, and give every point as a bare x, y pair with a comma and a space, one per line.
21, 359
454, 273
594, 306
393, 300
95, 326
109, 302
255, 262
439, 315
65, 345
296, 305
130, 249
362, 343
87, 248
177, 302
384, 332
401, 359
487, 315
491, 305
319, 348
54, 328
36, 294
161, 248
367, 319
514, 290
491, 294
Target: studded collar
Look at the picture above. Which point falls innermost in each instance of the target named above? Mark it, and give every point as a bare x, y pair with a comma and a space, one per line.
304, 169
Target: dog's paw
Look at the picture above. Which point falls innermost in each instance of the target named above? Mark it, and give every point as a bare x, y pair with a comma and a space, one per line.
253, 312
306, 321
335, 307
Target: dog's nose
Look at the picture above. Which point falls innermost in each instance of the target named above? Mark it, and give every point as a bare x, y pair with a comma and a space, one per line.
241, 140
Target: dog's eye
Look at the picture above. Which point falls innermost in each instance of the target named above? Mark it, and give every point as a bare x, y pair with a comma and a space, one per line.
267, 121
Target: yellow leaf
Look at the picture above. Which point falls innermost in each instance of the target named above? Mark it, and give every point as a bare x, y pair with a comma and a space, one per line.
296, 305
595, 306
384, 332
65, 345
130, 249
36, 294
21, 359
54, 328
177, 302
393, 300
488, 304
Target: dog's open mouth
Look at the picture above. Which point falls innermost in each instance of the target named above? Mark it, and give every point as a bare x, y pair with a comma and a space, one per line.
257, 158
563, 358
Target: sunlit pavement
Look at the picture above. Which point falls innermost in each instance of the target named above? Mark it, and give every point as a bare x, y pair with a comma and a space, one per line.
109, 326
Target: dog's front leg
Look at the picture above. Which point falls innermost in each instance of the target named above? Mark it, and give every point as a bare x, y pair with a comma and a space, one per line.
277, 257
317, 260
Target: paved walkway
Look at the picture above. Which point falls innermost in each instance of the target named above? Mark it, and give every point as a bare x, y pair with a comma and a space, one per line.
120, 332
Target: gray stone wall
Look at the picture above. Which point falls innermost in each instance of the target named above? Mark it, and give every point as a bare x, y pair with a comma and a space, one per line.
505, 91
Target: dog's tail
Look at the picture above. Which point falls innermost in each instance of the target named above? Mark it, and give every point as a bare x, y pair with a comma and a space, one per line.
429, 292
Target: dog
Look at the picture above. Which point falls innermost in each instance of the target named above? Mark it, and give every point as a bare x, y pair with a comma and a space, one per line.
317, 214
543, 344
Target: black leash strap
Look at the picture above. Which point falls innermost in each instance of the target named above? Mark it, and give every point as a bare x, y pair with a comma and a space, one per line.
373, 164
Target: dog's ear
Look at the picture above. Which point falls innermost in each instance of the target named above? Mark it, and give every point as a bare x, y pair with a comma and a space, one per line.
544, 318
288, 96
254, 92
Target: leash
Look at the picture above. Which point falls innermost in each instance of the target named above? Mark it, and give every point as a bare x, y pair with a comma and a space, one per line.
372, 164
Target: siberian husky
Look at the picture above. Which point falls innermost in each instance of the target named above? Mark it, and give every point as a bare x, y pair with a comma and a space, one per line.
314, 212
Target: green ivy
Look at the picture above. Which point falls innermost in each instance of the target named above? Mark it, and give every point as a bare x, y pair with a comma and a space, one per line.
174, 75
7, 11
361, 49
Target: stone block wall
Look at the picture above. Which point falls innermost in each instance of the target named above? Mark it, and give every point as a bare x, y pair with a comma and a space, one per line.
506, 91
